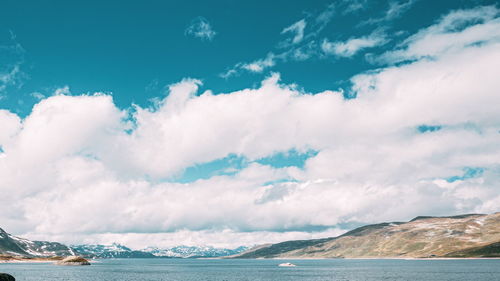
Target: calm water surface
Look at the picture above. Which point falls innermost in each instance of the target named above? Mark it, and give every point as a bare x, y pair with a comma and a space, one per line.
256, 270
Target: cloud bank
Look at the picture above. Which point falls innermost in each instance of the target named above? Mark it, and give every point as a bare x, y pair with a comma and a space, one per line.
79, 168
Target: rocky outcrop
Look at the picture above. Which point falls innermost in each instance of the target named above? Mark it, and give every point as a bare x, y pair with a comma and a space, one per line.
73, 260
473, 235
6, 277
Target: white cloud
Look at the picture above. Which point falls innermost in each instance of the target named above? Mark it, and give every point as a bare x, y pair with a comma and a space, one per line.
10, 77
257, 66
38, 95
201, 28
300, 47
10, 69
353, 46
297, 29
455, 31
394, 11
224, 239
303, 46
323, 18
78, 166
62, 91
260, 65
353, 6
397, 8
11, 124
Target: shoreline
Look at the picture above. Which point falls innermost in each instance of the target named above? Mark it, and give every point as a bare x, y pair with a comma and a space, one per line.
380, 258
52, 260
14, 259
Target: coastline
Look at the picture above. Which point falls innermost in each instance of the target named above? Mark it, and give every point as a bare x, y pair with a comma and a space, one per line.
10, 260
37, 260
375, 258
17, 259
21, 259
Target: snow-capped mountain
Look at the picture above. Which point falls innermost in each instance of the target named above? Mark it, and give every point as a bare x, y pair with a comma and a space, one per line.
109, 251
120, 251
16, 246
194, 251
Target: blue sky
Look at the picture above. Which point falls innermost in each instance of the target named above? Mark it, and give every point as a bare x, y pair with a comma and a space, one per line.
235, 123
132, 50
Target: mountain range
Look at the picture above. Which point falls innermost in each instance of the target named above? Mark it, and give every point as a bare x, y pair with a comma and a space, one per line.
120, 251
109, 251
11, 245
472, 235
194, 251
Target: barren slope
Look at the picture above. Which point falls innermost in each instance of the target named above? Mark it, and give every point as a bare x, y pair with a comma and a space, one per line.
461, 236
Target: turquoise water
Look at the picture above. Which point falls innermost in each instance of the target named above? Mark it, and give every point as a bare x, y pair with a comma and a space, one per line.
257, 270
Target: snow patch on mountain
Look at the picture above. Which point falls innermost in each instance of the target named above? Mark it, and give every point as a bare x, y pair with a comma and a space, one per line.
120, 251
109, 251
194, 251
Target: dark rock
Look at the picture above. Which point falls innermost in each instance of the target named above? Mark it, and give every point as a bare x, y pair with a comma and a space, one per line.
6, 277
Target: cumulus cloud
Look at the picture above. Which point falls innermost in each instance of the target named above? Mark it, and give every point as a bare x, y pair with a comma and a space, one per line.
353, 46
200, 28
11, 124
78, 166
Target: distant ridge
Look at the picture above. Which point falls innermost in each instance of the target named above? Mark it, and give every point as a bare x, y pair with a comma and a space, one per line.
468, 235
109, 251
120, 251
13, 246
446, 217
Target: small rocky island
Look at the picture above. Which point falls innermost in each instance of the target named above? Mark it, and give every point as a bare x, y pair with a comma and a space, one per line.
73, 260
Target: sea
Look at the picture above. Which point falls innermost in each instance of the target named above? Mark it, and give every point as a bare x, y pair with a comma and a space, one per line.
259, 270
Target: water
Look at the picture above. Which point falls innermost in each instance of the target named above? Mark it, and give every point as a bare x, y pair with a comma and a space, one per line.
258, 270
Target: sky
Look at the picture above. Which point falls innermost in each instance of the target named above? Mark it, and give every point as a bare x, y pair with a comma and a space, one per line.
163, 123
